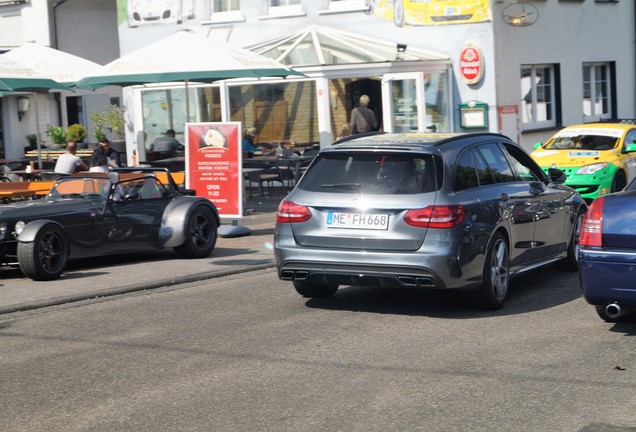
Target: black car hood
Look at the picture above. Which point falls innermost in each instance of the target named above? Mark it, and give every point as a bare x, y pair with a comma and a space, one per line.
44, 208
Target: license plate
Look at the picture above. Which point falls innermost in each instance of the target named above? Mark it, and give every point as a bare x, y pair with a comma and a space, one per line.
372, 221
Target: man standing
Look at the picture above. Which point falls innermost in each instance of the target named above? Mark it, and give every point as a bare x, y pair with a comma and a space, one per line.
111, 153
362, 118
68, 163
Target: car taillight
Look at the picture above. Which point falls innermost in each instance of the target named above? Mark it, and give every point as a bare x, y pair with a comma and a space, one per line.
290, 212
436, 216
592, 227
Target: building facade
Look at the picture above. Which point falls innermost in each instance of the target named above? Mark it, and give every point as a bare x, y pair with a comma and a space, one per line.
524, 68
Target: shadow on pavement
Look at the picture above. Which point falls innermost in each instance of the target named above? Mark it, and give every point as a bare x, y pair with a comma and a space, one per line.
538, 290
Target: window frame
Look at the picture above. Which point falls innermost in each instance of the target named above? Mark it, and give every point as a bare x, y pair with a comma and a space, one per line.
593, 82
224, 16
282, 11
554, 112
341, 6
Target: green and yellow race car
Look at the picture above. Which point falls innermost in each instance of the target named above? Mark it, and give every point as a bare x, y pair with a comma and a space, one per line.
597, 158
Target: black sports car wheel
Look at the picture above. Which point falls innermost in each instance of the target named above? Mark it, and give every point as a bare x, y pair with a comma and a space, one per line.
46, 257
307, 289
200, 234
496, 277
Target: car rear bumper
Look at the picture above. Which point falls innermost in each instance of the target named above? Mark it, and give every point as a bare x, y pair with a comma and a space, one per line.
408, 270
608, 277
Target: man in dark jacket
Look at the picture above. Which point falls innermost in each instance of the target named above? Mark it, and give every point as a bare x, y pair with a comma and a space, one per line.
362, 118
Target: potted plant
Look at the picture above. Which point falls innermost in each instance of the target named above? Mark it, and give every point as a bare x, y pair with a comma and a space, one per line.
76, 132
32, 139
58, 136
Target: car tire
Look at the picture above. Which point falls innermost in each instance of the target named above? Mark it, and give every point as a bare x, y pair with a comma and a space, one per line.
46, 257
496, 275
314, 290
200, 234
398, 13
619, 182
571, 261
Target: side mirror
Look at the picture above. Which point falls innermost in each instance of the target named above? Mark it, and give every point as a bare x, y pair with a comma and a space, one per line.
556, 175
537, 145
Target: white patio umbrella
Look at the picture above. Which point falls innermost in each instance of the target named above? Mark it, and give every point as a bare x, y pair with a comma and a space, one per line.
55, 64
61, 66
183, 57
17, 77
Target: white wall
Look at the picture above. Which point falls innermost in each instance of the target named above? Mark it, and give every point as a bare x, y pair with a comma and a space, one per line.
88, 29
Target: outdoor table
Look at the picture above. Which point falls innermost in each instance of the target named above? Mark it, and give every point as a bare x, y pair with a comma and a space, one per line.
176, 163
32, 175
293, 163
13, 190
253, 174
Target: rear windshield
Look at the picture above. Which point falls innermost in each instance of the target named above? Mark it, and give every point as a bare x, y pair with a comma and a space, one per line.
372, 173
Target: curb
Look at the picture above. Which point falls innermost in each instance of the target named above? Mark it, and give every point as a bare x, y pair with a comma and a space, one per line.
135, 287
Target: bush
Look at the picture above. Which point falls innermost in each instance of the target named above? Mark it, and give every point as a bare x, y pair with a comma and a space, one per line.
57, 134
76, 132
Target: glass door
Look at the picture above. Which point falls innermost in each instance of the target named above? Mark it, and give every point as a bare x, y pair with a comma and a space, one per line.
403, 105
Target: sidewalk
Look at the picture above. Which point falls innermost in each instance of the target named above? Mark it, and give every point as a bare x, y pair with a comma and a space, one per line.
100, 277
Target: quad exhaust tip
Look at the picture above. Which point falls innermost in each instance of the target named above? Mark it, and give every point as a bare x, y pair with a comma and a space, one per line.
294, 275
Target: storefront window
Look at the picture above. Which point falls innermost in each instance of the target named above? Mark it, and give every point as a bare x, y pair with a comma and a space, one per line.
281, 112
165, 109
404, 105
436, 95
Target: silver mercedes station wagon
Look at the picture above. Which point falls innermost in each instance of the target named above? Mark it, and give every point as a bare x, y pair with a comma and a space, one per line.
430, 211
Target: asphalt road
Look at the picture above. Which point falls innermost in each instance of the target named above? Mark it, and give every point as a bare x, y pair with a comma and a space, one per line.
246, 353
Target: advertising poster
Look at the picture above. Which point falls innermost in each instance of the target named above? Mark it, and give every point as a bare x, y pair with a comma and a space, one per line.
213, 165
432, 12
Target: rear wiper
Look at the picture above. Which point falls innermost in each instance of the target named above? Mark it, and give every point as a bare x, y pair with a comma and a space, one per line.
342, 185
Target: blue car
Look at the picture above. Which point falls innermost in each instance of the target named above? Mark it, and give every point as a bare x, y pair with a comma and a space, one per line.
607, 254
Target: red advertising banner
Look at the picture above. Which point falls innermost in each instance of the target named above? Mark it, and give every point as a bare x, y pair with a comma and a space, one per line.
213, 165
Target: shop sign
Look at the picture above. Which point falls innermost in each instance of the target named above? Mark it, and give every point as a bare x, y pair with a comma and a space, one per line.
471, 66
213, 165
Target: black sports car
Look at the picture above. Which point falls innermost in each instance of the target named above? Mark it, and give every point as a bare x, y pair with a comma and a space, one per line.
94, 214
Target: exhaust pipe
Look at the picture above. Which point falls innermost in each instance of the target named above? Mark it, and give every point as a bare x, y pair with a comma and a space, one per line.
287, 275
294, 274
613, 310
